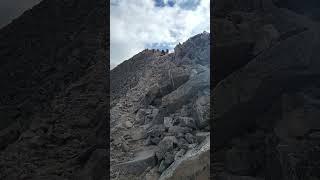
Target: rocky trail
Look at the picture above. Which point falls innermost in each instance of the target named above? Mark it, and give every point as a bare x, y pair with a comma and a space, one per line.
162, 123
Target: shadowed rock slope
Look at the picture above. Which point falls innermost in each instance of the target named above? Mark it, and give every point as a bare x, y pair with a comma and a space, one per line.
266, 110
53, 100
160, 119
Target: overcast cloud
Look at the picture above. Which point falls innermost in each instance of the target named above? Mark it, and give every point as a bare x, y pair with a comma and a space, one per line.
140, 24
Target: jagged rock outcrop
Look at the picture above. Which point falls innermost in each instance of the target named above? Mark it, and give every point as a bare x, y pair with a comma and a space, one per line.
54, 92
265, 107
168, 107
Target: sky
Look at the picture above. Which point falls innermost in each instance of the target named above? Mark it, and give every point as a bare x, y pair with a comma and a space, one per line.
160, 24
11, 9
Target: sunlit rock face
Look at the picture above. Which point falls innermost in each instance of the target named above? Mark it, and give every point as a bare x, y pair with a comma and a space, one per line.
163, 103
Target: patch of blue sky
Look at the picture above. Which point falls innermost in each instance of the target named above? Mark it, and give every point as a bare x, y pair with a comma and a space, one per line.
161, 46
183, 4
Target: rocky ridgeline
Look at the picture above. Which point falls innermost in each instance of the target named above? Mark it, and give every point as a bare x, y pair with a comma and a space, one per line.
266, 92
160, 127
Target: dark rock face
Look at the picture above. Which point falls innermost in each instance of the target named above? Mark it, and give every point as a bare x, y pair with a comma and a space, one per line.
265, 107
169, 103
53, 100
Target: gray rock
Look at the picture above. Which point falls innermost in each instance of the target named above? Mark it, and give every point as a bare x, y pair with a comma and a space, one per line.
152, 117
201, 108
167, 144
168, 122
187, 122
176, 130
190, 138
140, 116
179, 154
152, 174
155, 133
201, 136
183, 143
128, 124
140, 163
169, 158
186, 92
197, 160
155, 140
162, 166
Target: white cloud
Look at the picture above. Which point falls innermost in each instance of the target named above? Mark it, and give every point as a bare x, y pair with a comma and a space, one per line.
136, 24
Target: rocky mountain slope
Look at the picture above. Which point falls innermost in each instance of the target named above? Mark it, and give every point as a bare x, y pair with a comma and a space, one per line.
54, 101
160, 113
266, 91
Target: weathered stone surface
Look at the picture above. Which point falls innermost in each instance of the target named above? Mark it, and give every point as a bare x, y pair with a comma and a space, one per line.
187, 122
201, 136
165, 75
190, 138
202, 108
179, 154
195, 160
168, 122
176, 130
167, 144
128, 124
140, 163
186, 92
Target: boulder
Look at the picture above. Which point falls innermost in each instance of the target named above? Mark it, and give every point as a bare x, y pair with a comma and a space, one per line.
183, 143
186, 92
201, 108
155, 133
168, 122
201, 136
187, 122
141, 115
167, 144
128, 124
176, 130
179, 154
196, 161
190, 138
140, 163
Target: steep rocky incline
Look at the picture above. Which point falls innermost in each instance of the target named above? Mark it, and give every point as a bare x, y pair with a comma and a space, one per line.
266, 106
53, 102
161, 125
